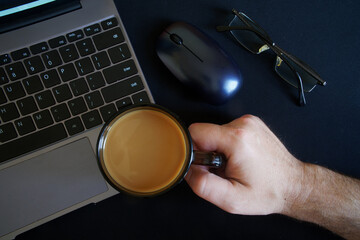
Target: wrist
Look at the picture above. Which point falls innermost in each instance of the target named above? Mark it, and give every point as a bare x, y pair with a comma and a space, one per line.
300, 185
326, 198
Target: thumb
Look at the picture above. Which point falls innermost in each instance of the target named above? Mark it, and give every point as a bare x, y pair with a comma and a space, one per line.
207, 185
204, 183
219, 191
222, 192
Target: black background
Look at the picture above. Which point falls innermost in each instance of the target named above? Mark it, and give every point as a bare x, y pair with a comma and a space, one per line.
323, 33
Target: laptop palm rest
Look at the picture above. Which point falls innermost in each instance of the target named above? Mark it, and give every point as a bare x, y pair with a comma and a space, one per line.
50, 182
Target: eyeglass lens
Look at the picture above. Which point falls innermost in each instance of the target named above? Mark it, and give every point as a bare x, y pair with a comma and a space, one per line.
285, 72
252, 42
247, 38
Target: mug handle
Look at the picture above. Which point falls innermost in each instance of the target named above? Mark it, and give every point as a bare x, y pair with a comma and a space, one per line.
211, 159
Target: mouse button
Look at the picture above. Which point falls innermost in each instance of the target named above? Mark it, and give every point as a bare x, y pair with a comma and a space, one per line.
176, 39
164, 45
184, 31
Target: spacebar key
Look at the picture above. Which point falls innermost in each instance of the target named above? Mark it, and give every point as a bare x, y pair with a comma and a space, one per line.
32, 142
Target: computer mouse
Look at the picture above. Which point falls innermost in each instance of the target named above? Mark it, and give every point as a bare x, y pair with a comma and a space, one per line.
199, 62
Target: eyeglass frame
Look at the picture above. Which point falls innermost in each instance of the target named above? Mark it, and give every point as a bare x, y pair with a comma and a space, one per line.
277, 50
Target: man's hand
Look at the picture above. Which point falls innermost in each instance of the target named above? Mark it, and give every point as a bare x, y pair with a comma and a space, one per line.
258, 172
262, 177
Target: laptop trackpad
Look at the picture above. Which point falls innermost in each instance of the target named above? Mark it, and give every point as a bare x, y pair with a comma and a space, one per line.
48, 183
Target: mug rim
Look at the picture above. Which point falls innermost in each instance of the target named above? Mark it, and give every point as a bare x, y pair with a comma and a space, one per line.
118, 115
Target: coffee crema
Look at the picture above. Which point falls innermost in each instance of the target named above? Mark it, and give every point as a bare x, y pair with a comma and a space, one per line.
145, 151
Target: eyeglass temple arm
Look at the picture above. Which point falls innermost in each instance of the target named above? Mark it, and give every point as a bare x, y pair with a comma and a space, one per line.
280, 52
265, 37
252, 25
230, 28
302, 100
275, 48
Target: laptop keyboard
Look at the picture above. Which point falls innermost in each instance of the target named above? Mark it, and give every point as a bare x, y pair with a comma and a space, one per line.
64, 86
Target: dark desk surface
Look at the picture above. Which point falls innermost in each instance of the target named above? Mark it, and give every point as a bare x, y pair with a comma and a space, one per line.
324, 33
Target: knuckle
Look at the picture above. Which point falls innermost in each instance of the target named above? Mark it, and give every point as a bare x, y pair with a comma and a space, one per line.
239, 133
245, 121
250, 119
248, 116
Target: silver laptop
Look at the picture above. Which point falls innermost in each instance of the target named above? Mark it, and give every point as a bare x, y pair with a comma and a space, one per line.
66, 66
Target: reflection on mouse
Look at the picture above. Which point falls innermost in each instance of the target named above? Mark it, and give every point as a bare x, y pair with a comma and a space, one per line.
199, 62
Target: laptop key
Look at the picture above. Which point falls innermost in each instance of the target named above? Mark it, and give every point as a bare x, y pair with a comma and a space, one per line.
5, 59
2, 97
3, 78
74, 126
95, 80
34, 65
120, 71
85, 47
119, 53
74, 36
141, 97
45, 99
77, 106
108, 39
51, 59
68, 53
123, 103
15, 71
25, 125
32, 142
108, 111
39, 48
57, 42
62, 93
91, 119
43, 119
14, 90
94, 100
27, 105
7, 132
8, 112
20, 54
93, 29
60, 112
79, 87
109, 23
100, 60
33, 84
122, 89
84, 66
50, 78
67, 72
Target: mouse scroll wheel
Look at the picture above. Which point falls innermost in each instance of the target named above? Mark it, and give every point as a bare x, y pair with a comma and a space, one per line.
176, 39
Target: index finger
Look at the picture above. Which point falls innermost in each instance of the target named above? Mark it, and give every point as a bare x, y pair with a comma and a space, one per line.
209, 137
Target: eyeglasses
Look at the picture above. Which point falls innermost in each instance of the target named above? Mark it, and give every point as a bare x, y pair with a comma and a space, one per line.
252, 37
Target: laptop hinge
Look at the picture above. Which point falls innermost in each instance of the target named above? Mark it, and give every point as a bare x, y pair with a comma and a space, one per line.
37, 14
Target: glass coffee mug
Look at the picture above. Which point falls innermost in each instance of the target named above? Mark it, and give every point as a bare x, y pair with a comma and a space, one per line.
146, 150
